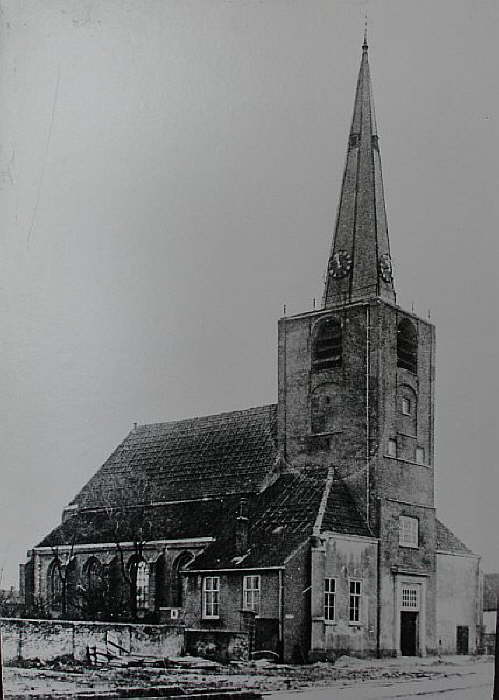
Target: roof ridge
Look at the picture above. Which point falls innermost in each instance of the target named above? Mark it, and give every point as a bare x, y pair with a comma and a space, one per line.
323, 504
242, 411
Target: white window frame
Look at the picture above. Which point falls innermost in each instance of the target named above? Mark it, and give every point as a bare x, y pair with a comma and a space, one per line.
392, 447
420, 455
330, 599
211, 597
409, 597
251, 592
355, 601
408, 532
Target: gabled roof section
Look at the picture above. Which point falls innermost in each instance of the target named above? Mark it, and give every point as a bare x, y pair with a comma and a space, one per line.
282, 518
341, 514
448, 542
359, 266
189, 459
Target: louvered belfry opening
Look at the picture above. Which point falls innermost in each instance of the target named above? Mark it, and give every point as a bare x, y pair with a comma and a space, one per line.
407, 346
328, 346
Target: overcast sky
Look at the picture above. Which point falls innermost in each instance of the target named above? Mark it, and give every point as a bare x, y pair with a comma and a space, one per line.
169, 173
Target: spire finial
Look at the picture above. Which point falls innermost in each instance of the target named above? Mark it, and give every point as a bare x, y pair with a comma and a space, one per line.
364, 45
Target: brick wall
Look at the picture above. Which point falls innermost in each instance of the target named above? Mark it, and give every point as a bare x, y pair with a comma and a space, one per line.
47, 639
222, 645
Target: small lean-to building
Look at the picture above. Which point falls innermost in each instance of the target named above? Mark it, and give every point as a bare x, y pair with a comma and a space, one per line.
316, 515
490, 598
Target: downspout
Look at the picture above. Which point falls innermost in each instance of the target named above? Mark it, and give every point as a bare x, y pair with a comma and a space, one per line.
281, 614
378, 594
479, 613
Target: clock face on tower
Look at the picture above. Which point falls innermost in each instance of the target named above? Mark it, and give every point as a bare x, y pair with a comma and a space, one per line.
385, 267
340, 264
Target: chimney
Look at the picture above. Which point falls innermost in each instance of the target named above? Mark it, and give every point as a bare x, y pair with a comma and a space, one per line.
241, 530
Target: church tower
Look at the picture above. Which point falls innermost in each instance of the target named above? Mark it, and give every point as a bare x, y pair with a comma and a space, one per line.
356, 385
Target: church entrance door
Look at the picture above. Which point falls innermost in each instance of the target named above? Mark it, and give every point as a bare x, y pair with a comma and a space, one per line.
408, 633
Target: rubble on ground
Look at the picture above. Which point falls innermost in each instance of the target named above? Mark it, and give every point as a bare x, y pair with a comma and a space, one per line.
65, 677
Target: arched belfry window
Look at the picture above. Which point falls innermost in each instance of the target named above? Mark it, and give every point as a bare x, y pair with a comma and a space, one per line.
407, 346
328, 345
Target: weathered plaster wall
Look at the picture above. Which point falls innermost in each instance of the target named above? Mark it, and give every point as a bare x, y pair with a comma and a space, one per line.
346, 558
296, 606
47, 639
457, 600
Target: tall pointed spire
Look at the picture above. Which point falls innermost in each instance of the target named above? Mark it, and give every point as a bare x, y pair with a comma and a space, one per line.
359, 266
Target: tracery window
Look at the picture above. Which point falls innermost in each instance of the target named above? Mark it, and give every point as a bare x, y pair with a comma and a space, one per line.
55, 585
142, 584
94, 575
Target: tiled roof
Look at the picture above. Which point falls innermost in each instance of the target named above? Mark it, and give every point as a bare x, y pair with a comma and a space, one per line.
448, 542
188, 459
183, 520
341, 514
281, 518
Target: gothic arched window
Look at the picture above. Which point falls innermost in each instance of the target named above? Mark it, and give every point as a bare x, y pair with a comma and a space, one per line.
55, 585
94, 575
142, 584
407, 346
328, 345
177, 579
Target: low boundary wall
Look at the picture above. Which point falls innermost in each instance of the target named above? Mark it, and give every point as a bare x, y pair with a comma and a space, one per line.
48, 639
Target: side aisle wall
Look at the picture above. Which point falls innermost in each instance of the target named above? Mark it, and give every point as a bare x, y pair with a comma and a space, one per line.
459, 613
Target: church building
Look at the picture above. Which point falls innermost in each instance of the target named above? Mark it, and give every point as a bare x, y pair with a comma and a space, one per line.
312, 519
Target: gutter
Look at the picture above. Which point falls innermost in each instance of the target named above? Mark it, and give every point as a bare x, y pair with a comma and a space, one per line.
248, 568
94, 547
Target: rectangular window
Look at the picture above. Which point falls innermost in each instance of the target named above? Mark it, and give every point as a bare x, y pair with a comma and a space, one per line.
408, 532
355, 596
251, 593
211, 597
392, 447
406, 407
420, 455
329, 598
410, 598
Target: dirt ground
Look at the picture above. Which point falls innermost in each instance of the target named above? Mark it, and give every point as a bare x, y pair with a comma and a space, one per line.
63, 678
